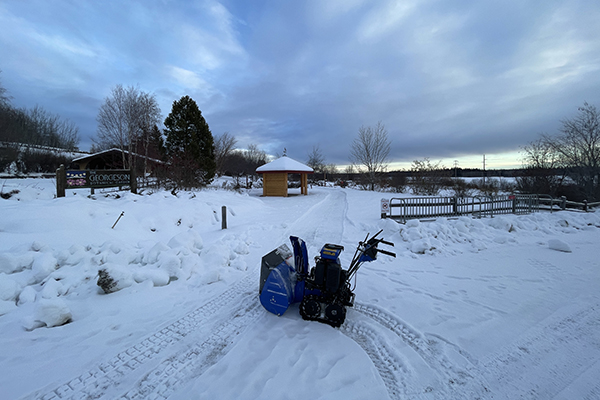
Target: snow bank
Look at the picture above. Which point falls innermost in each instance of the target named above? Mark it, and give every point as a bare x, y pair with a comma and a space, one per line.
64, 260
465, 234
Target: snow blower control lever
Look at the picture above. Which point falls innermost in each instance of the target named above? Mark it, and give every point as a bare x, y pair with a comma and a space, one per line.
324, 291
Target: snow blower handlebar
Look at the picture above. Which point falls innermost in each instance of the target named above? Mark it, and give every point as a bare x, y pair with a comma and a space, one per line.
367, 252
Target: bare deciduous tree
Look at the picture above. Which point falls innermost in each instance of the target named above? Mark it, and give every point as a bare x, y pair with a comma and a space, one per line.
112, 130
426, 178
578, 149
148, 112
52, 130
256, 156
370, 150
330, 169
125, 117
224, 145
541, 172
4, 98
316, 160
243, 163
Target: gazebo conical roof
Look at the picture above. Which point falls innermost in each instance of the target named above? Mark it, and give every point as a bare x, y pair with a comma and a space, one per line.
285, 164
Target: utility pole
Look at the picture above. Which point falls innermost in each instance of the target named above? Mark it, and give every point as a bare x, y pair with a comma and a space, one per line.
456, 168
484, 170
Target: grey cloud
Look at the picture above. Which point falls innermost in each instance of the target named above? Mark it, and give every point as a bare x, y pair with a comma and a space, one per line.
447, 78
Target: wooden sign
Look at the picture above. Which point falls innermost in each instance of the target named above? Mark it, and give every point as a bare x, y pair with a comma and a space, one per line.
99, 178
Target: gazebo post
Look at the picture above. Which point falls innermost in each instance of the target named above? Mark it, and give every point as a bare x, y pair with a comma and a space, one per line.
304, 184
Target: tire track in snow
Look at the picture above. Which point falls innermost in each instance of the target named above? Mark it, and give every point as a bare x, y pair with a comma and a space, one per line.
456, 382
180, 368
388, 365
324, 219
585, 387
125, 365
553, 355
545, 267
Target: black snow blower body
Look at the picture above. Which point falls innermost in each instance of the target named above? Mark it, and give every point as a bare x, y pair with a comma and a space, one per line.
324, 291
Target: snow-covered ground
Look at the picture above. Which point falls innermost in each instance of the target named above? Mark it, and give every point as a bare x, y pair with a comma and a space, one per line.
503, 308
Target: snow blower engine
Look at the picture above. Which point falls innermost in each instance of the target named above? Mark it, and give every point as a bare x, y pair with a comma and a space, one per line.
324, 292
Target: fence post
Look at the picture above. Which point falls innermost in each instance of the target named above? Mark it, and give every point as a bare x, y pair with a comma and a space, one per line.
514, 204
563, 202
132, 181
223, 217
61, 181
585, 206
455, 205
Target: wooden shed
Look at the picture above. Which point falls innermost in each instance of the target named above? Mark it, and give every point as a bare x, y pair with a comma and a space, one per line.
275, 176
113, 159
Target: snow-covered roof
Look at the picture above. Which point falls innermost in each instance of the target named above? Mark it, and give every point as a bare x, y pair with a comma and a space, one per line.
113, 150
285, 164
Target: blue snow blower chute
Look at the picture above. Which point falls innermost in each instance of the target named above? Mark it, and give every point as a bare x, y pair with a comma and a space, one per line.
324, 292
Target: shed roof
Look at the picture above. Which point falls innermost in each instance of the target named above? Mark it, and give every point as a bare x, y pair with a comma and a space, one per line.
285, 164
114, 150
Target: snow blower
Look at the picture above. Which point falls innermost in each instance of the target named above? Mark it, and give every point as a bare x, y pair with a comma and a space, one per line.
324, 291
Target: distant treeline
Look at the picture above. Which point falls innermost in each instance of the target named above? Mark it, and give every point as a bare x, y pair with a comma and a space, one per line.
37, 127
31, 140
445, 172
34, 140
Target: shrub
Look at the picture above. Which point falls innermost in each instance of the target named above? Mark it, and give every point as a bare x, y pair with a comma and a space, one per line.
106, 282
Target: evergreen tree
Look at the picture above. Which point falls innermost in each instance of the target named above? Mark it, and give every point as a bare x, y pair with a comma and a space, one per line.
190, 144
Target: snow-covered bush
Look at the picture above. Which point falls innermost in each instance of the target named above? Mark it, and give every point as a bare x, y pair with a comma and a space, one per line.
106, 282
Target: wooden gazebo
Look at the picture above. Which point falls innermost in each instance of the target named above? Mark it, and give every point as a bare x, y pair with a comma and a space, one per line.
275, 176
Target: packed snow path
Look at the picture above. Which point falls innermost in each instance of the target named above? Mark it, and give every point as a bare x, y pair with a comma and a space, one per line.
497, 308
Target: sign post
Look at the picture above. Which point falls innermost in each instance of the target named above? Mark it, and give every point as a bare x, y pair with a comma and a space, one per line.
385, 208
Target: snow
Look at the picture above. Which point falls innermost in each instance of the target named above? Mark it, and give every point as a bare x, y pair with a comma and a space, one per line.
559, 245
505, 307
284, 164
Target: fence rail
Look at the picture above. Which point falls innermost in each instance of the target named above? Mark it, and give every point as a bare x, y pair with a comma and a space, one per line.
403, 209
562, 203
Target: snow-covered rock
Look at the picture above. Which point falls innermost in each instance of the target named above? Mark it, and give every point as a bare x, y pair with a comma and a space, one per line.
27, 295
52, 312
9, 288
6, 307
159, 277
559, 245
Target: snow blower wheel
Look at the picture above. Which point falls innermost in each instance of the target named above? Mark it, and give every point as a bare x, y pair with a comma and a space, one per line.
335, 315
310, 309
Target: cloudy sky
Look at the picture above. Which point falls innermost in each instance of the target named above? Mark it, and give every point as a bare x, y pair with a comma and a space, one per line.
450, 79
